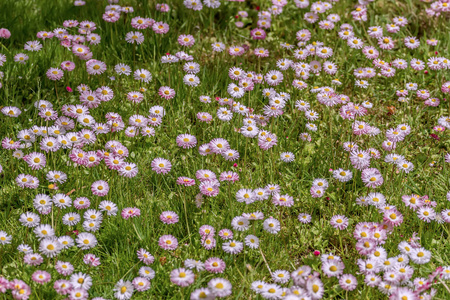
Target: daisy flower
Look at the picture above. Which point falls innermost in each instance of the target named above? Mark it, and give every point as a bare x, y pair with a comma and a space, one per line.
186, 40
100, 188
123, 290
35, 160
160, 27
393, 217
142, 75
240, 223
86, 240
182, 277
258, 34
348, 282
226, 234
141, 284
41, 277
339, 222
420, 255
214, 265
252, 241
417, 64
122, 69
168, 242
161, 165
342, 175
218, 47
287, 157
186, 141
166, 92
5, 238
191, 80
272, 225
355, 43
233, 247
21, 58
372, 177
130, 212
185, 181
168, 217
236, 50
314, 286
411, 42
54, 74
220, 287
109, 207
95, 67
229, 176
68, 65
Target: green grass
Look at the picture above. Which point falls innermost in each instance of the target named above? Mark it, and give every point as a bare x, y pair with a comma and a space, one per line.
293, 246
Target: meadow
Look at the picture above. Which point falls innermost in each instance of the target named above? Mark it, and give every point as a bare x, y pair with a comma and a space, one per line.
206, 149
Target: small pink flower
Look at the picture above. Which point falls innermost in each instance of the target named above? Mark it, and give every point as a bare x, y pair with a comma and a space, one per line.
185, 181
168, 217
145, 256
69, 89
81, 203
316, 253
100, 188
168, 242
4, 33
91, 260
235, 165
439, 128
258, 34
130, 212
41, 277
434, 136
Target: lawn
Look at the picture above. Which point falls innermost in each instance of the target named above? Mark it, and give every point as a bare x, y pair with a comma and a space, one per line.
224, 149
